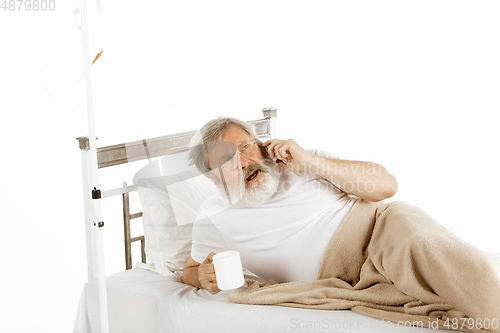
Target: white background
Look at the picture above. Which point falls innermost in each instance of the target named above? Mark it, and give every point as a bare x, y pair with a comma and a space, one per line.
412, 85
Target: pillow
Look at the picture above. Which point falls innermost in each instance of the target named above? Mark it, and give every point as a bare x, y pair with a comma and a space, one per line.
170, 206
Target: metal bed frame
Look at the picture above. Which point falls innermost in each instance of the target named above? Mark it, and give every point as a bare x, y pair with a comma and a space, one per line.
135, 151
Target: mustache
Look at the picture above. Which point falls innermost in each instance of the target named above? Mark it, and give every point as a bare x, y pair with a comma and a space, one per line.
255, 167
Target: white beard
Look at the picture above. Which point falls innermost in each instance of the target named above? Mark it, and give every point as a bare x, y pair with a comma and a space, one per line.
253, 193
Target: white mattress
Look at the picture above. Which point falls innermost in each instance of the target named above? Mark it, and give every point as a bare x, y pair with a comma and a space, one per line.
144, 301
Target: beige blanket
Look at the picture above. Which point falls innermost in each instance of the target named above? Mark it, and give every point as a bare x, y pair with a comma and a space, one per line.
394, 262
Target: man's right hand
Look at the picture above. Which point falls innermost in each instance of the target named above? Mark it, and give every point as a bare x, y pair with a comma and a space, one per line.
206, 275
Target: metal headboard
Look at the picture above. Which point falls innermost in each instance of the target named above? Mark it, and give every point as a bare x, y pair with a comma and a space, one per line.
139, 150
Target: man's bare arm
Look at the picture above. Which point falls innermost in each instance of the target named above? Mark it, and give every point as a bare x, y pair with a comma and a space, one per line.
367, 180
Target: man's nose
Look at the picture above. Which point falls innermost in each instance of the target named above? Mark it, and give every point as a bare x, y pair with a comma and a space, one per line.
244, 161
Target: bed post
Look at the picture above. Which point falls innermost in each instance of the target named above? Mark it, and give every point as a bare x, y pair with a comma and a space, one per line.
126, 229
271, 113
84, 147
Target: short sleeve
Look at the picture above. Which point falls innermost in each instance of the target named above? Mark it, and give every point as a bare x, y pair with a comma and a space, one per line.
322, 153
327, 154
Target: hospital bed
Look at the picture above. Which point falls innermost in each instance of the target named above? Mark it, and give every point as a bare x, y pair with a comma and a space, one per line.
152, 297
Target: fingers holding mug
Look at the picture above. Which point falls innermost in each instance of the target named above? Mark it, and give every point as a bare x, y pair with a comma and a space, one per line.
206, 275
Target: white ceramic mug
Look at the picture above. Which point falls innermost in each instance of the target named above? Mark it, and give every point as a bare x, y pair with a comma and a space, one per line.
228, 270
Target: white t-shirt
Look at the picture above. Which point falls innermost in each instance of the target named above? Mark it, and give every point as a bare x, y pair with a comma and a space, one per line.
282, 239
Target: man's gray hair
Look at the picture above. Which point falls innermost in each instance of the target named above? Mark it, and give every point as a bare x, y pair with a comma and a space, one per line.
210, 132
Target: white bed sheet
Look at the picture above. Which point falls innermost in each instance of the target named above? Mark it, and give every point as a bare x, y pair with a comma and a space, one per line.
144, 301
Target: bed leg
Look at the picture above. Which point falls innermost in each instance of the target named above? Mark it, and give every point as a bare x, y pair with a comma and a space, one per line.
143, 250
126, 229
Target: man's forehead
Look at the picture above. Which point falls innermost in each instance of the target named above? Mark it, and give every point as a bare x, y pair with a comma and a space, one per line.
238, 143
220, 147
235, 135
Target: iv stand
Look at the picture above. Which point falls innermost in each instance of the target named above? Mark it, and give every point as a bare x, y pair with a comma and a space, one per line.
93, 179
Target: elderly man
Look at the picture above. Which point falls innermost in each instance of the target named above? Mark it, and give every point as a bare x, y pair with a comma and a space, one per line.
281, 205
273, 225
